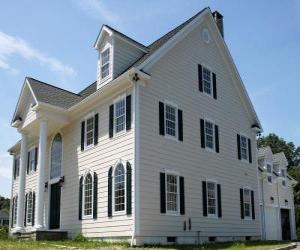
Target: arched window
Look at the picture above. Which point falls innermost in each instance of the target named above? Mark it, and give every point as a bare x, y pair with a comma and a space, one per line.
88, 195
119, 188
56, 157
29, 208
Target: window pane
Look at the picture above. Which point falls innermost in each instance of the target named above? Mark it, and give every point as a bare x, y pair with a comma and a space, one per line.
88, 195
207, 81
105, 60
119, 190
90, 131
172, 194
120, 115
209, 135
170, 120
211, 198
56, 157
247, 202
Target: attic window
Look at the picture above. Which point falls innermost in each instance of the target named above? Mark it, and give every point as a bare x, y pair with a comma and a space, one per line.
205, 35
105, 61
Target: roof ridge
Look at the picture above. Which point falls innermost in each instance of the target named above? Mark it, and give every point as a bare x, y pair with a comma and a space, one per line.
53, 86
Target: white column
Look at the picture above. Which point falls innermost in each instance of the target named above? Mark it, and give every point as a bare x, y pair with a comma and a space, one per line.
41, 175
21, 191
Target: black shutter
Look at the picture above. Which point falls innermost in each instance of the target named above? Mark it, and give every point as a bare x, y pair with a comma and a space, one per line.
128, 189
12, 212
180, 125
217, 138
163, 193
161, 118
33, 207
96, 129
238, 138
253, 205
111, 121
36, 157
109, 192
28, 159
249, 150
204, 198
219, 200
182, 198
80, 198
128, 112
200, 79
25, 213
214, 85
202, 134
95, 201
82, 135
242, 203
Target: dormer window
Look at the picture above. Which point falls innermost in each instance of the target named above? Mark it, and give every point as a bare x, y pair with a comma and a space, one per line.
105, 64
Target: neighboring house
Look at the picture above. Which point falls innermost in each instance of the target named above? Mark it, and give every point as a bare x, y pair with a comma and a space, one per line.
160, 149
4, 217
276, 196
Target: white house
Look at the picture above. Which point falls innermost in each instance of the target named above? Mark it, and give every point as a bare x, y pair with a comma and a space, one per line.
160, 149
276, 197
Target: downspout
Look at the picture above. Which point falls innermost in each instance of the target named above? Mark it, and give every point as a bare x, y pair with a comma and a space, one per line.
136, 209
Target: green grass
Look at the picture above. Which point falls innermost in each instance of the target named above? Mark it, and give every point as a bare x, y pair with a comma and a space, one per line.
68, 244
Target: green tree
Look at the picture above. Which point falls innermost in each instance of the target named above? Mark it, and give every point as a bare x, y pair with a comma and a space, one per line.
4, 203
278, 145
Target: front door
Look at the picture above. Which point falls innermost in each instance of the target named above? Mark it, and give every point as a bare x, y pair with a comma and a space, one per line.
285, 224
55, 206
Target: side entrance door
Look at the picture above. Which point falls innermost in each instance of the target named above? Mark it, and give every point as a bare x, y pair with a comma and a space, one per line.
285, 224
55, 206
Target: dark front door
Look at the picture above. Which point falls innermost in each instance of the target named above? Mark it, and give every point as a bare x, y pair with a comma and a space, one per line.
285, 224
55, 206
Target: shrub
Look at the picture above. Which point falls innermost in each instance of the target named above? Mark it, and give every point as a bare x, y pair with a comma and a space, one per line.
79, 238
3, 232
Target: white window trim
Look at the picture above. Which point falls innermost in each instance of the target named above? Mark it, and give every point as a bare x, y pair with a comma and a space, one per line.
214, 136
19, 158
168, 212
247, 149
116, 100
250, 190
90, 115
32, 148
83, 196
213, 216
116, 213
56, 179
110, 47
173, 105
211, 79
27, 206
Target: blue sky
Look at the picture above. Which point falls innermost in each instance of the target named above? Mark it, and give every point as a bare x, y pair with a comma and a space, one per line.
53, 41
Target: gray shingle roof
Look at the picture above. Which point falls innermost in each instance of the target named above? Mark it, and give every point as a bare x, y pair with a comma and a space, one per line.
50, 94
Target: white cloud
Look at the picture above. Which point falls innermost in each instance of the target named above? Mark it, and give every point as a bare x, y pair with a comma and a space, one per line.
5, 166
98, 10
10, 46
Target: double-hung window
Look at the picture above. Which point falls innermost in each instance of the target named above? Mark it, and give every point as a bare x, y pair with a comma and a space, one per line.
244, 148
170, 120
105, 63
14, 222
17, 167
120, 115
209, 134
211, 198
247, 203
207, 81
32, 160
269, 173
88, 196
119, 188
29, 209
172, 193
90, 131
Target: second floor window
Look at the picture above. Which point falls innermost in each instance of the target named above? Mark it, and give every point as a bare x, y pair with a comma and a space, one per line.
105, 63
172, 193
170, 120
120, 115
209, 135
16, 167
32, 160
206, 74
244, 148
90, 131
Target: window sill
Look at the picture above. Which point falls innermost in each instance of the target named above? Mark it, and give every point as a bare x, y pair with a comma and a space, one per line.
170, 137
248, 218
87, 217
120, 213
171, 214
212, 216
211, 150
